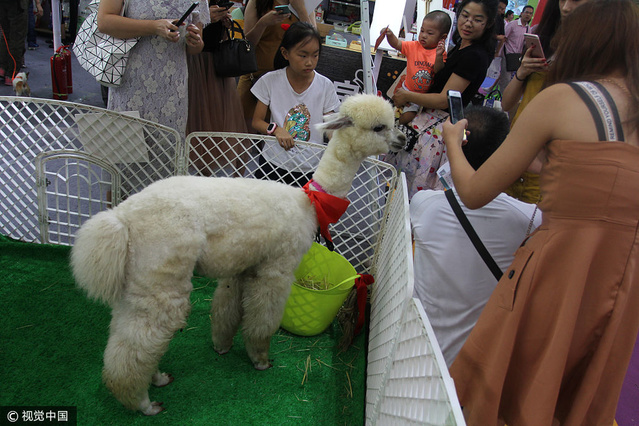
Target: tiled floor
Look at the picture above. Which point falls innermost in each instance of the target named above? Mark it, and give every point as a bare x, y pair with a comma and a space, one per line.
38, 64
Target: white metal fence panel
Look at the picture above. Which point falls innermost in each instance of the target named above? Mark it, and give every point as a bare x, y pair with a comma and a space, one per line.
393, 271
419, 389
142, 151
72, 187
238, 155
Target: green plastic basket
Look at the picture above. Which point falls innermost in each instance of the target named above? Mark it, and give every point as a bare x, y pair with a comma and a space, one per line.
309, 312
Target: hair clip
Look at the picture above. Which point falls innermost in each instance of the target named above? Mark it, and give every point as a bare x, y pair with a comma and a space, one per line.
285, 27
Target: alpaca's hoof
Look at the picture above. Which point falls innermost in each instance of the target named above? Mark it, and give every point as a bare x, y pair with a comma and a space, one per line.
161, 379
222, 351
262, 366
153, 409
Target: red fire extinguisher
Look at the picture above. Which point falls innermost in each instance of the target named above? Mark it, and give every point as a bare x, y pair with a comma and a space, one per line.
59, 76
66, 52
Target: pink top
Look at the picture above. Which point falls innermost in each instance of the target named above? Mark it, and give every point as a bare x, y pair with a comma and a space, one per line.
515, 36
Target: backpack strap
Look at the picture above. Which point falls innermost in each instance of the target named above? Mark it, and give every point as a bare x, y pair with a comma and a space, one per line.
603, 109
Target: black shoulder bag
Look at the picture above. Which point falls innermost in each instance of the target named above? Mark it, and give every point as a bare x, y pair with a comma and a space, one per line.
234, 57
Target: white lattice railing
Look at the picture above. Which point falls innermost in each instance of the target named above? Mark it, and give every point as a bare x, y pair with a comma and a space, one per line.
407, 378
141, 150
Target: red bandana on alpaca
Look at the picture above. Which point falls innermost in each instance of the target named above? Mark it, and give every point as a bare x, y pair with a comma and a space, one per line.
329, 208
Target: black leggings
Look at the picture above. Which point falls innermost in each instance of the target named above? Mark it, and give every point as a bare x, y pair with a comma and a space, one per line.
268, 171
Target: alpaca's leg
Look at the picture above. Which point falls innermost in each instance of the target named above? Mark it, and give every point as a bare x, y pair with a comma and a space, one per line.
264, 298
160, 379
140, 332
226, 313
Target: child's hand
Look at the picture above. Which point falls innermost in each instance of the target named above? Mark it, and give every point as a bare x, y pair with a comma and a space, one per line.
386, 31
441, 48
284, 138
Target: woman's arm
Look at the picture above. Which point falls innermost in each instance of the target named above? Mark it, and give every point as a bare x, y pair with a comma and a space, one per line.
254, 25
432, 100
439, 56
512, 94
553, 114
304, 15
259, 115
110, 22
501, 39
38, 9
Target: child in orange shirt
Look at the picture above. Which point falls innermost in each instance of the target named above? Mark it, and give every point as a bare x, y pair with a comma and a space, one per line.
424, 57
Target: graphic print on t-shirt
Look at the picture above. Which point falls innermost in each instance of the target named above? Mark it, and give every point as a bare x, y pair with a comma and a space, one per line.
423, 79
297, 122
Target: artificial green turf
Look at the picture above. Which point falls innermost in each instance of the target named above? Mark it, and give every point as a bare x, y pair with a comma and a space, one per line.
52, 339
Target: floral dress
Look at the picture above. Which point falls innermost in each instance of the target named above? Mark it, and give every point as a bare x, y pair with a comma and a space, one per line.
424, 154
155, 80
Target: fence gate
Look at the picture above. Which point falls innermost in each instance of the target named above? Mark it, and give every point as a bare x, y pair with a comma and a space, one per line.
72, 186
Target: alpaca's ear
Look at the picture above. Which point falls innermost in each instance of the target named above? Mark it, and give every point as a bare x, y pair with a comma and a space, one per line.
334, 122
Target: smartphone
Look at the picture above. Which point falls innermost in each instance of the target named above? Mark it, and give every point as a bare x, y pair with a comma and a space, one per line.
455, 106
533, 40
186, 14
225, 4
283, 9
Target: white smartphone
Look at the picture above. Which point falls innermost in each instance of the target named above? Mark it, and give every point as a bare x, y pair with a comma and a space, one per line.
531, 40
455, 106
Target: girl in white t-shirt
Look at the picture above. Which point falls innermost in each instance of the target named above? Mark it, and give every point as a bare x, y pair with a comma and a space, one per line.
297, 98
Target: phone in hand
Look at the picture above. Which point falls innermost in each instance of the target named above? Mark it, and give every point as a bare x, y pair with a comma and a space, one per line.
225, 4
455, 106
282, 9
186, 14
533, 40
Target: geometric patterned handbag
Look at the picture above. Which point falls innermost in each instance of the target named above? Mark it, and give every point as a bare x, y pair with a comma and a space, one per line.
102, 55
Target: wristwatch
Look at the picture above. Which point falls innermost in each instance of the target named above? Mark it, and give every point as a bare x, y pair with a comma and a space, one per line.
271, 128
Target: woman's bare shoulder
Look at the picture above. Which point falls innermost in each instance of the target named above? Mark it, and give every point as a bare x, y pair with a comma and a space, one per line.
560, 109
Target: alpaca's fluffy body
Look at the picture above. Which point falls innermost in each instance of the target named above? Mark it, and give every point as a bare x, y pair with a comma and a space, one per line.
249, 234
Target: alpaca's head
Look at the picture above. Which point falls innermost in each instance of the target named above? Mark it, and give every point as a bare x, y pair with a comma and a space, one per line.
364, 126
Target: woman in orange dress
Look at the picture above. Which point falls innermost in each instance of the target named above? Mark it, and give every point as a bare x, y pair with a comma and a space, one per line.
554, 341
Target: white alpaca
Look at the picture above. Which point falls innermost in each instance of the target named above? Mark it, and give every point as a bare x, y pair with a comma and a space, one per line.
247, 233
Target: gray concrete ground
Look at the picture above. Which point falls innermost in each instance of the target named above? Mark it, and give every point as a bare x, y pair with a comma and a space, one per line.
38, 64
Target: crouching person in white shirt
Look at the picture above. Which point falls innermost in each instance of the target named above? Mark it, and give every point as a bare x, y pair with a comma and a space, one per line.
451, 279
